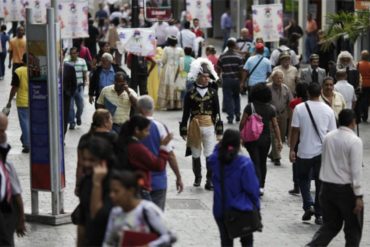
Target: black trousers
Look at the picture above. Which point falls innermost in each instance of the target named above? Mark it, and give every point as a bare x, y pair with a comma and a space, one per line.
337, 204
258, 151
141, 82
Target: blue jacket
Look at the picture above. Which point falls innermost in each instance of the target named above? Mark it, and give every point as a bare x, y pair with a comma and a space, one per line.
240, 181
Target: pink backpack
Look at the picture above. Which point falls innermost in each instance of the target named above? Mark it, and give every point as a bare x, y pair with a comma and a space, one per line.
253, 127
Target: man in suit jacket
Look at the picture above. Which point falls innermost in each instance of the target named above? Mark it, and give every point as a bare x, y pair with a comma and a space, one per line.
313, 73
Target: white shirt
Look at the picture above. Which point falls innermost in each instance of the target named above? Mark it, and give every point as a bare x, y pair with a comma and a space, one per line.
160, 32
163, 132
188, 39
342, 159
172, 30
347, 91
309, 143
116, 14
274, 58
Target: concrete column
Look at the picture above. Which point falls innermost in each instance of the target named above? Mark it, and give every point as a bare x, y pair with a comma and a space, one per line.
302, 17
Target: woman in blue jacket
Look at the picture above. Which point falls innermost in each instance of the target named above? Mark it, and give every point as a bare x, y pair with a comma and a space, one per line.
240, 183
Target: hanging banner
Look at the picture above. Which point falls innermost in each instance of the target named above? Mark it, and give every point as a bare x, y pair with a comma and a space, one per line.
362, 5
268, 22
15, 10
139, 41
73, 18
200, 9
157, 10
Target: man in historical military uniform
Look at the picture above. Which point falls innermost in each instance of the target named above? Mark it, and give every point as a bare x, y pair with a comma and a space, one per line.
202, 106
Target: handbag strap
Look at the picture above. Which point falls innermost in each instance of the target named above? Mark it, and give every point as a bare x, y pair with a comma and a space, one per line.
313, 121
255, 66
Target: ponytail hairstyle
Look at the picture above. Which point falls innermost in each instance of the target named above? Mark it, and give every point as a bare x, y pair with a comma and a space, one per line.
129, 180
100, 117
229, 146
128, 128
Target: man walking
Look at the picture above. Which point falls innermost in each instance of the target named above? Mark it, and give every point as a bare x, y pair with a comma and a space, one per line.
311, 121
118, 100
17, 48
313, 73
226, 26
81, 76
230, 66
158, 131
187, 38
342, 188
345, 89
20, 88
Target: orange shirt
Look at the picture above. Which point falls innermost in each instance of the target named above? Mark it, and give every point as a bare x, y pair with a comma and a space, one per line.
311, 26
18, 47
364, 69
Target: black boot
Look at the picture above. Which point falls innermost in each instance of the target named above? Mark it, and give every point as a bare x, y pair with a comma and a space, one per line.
208, 185
197, 170
295, 190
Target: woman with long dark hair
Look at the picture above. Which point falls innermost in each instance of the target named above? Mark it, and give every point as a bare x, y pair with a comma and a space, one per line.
241, 188
98, 159
260, 99
134, 155
131, 214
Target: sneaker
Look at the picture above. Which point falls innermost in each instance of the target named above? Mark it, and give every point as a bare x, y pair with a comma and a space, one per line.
72, 126
78, 121
308, 214
197, 181
237, 119
318, 220
25, 150
262, 191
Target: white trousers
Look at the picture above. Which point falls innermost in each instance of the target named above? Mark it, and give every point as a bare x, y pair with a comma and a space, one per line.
208, 137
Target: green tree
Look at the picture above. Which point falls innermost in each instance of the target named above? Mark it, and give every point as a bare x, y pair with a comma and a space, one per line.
350, 25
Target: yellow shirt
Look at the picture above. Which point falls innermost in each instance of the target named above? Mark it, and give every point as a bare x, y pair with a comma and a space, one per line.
20, 81
338, 103
118, 105
18, 47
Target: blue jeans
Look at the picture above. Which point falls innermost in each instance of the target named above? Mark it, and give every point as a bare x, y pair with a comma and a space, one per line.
231, 92
24, 122
310, 43
226, 35
159, 198
304, 168
226, 241
2, 63
77, 97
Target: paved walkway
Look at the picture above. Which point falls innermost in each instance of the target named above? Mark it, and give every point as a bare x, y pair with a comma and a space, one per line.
188, 214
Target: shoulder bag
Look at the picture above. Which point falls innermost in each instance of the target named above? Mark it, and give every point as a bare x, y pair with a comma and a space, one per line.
239, 223
253, 69
253, 127
313, 121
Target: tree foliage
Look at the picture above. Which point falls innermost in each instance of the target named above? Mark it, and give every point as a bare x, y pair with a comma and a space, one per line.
349, 25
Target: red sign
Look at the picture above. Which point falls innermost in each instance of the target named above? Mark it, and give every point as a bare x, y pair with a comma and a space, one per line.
158, 10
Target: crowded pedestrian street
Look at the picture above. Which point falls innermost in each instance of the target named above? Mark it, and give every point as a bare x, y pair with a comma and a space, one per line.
184, 123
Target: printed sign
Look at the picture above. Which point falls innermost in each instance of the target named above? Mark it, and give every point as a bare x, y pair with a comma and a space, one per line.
157, 10
200, 9
139, 41
268, 22
73, 18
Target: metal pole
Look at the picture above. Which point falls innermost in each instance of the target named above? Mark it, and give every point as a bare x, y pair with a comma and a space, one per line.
54, 135
34, 193
135, 13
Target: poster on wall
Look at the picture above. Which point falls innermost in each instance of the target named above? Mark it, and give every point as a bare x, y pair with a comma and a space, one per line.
39, 10
73, 18
200, 9
362, 5
139, 41
157, 10
268, 22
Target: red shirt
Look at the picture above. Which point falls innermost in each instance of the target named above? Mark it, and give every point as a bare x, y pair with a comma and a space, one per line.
213, 60
294, 102
198, 32
364, 69
145, 161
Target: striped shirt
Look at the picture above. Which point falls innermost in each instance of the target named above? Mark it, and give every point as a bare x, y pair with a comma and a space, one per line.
80, 67
230, 63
